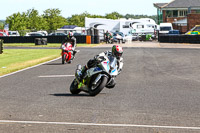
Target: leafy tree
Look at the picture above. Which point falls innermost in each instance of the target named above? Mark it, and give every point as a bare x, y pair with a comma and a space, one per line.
17, 22
79, 20
113, 15
35, 22
53, 19
127, 16
2, 23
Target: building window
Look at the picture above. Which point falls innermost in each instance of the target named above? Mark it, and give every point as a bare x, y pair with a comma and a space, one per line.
125, 26
172, 13
197, 11
176, 13
169, 13
182, 13
140, 26
197, 29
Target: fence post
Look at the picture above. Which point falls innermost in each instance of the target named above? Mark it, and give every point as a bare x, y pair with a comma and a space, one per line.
1, 46
88, 39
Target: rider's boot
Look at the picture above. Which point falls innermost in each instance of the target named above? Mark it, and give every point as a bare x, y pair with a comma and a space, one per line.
83, 73
74, 52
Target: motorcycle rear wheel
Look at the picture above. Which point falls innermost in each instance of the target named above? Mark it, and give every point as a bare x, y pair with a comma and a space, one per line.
74, 87
99, 87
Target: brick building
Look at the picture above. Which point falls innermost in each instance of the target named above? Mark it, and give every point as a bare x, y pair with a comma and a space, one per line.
183, 14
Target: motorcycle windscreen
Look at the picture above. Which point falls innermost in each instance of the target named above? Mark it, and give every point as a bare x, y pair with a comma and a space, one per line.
113, 65
113, 62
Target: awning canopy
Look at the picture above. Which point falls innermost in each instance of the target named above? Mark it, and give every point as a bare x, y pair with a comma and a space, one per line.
68, 27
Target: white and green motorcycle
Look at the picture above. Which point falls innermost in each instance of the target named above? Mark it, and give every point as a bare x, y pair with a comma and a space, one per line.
96, 78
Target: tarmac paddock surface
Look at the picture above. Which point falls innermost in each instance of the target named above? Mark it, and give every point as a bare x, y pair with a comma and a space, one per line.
153, 44
156, 92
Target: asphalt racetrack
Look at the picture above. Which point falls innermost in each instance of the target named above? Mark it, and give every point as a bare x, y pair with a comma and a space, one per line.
158, 91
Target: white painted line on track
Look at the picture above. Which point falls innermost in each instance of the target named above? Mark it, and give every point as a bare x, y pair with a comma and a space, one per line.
29, 68
98, 124
55, 76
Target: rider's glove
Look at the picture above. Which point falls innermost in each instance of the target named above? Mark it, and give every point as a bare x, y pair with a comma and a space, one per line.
119, 71
96, 57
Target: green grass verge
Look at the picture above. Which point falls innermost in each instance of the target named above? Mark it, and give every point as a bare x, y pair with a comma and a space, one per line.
15, 59
48, 45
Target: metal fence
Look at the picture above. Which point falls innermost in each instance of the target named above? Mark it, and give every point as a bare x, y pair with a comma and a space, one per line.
50, 39
179, 39
1, 46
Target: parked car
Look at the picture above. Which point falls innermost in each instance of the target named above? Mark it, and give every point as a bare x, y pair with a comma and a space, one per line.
57, 34
34, 34
194, 31
13, 33
119, 36
78, 34
128, 38
3, 34
174, 32
43, 32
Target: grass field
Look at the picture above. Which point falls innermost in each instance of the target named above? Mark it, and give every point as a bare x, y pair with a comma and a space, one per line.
15, 59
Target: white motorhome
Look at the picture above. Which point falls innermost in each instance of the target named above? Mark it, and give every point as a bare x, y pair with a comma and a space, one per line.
126, 26
164, 28
143, 28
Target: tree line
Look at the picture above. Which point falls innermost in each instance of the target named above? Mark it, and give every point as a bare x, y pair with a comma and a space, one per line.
51, 19
2, 23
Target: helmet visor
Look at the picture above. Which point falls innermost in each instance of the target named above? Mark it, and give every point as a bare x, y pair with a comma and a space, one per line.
118, 54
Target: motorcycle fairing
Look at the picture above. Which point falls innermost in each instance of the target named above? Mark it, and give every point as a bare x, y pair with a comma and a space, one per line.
93, 71
108, 66
69, 56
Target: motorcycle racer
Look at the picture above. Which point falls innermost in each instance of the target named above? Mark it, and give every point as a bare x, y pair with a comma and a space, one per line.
71, 39
117, 52
66, 53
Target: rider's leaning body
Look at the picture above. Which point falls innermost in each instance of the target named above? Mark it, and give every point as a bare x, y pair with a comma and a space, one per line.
71, 39
117, 52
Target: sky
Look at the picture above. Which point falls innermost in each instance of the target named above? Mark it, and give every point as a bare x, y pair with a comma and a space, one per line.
71, 7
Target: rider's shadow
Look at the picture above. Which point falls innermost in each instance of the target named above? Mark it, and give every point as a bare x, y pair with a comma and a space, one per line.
53, 64
70, 95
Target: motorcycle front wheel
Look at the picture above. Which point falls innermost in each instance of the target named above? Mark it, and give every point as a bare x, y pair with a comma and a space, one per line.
74, 87
111, 84
63, 58
98, 87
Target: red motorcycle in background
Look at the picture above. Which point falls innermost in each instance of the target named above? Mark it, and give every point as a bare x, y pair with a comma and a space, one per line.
67, 53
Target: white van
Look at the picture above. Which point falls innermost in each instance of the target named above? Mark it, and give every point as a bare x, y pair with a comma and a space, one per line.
164, 28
